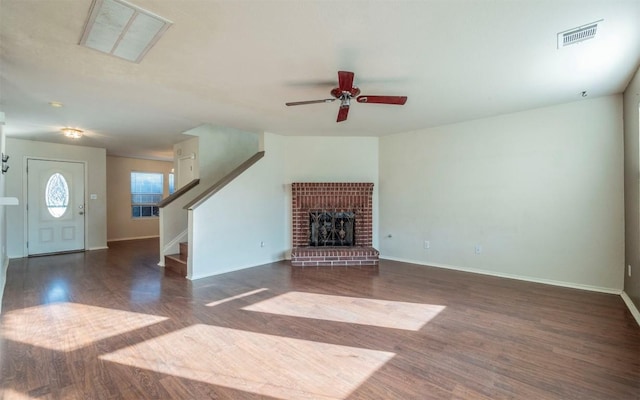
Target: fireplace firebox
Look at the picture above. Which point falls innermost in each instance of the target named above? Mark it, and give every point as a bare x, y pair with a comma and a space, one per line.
332, 228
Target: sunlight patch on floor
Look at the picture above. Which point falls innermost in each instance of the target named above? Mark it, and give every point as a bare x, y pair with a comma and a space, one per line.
10, 394
215, 303
70, 326
354, 310
267, 365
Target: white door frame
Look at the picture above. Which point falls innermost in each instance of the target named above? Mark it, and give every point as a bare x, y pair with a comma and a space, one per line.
25, 181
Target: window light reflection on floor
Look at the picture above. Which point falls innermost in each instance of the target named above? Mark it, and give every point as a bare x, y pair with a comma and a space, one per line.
355, 310
57, 291
70, 326
267, 365
144, 290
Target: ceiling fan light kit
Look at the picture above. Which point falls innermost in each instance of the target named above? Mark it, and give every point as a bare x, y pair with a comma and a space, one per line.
346, 91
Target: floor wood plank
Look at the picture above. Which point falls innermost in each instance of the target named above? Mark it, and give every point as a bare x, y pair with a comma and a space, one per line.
110, 324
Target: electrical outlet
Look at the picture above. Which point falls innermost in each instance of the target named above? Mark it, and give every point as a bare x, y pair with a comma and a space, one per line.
629, 269
261, 244
426, 245
478, 249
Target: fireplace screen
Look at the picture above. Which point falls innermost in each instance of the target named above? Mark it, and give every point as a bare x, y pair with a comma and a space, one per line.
332, 228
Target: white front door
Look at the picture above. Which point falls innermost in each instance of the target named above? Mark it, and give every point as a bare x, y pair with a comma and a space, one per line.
55, 206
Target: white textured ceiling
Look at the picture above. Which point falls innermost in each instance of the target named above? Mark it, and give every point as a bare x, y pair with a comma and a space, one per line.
235, 63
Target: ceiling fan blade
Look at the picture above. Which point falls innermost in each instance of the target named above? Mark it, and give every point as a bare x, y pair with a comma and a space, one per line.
342, 114
345, 81
301, 103
398, 100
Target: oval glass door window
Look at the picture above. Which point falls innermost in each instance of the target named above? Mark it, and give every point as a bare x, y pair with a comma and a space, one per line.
57, 195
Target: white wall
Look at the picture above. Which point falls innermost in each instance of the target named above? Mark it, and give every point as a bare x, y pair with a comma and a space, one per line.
331, 159
4, 261
220, 148
181, 150
632, 187
228, 229
541, 191
256, 207
96, 210
219, 151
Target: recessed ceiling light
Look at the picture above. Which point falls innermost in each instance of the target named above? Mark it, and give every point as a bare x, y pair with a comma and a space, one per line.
56, 104
123, 30
72, 133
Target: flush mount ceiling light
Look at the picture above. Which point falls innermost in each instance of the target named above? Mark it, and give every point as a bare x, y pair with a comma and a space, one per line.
123, 30
72, 133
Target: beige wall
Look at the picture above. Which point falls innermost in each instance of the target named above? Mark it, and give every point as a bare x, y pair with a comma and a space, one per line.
541, 191
120, 224
632, 188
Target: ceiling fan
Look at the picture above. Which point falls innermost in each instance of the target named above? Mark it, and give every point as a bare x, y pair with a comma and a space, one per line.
346, 91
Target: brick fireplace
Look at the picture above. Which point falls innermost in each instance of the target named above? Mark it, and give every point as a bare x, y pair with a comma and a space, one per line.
324, 217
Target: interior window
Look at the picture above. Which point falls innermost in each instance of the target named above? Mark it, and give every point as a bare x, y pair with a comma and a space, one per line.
146, 192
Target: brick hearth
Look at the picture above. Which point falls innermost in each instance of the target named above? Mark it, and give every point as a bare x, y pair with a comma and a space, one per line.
333, 197
333, 256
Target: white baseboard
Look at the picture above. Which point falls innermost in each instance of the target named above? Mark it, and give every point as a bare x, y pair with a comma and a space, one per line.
98, 248
632, 307
512, 276
133, 238
195, 277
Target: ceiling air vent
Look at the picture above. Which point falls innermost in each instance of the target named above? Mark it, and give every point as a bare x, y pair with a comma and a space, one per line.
579, 34
121, 29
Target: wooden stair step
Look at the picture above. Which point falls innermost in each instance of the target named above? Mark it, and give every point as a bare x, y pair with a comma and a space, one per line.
176, 263
182, 258
184, 248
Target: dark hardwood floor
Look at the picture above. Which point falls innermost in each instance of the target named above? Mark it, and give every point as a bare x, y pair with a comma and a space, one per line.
110, 324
